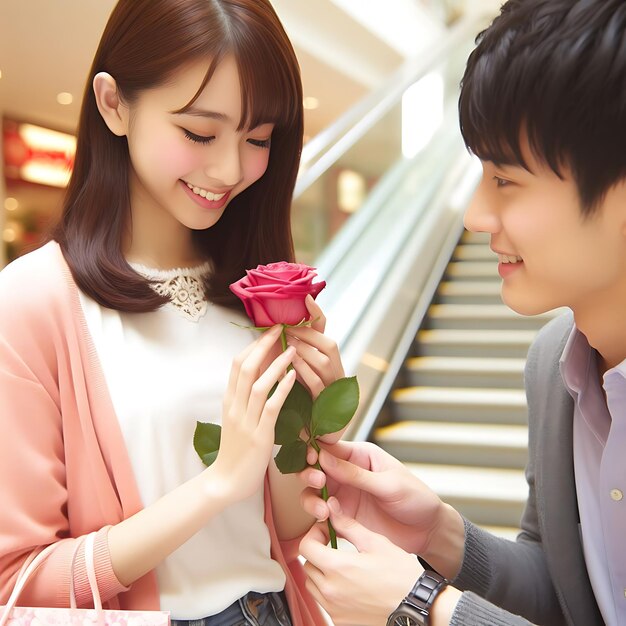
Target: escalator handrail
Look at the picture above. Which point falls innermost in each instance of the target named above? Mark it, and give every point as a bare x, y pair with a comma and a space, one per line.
327, 147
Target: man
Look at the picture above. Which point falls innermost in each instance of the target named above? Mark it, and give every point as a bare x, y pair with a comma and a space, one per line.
543, 105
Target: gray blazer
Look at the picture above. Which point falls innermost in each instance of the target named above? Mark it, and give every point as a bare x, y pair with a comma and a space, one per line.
542, 575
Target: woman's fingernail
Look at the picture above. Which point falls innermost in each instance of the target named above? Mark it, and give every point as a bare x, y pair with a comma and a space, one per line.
320, 512
334, 506
317, 478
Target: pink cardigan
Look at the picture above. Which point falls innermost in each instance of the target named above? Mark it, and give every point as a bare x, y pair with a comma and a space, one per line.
64, 469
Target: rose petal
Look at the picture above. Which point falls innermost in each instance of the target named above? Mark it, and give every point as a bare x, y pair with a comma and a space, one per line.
275, 293
286, 311
259, 313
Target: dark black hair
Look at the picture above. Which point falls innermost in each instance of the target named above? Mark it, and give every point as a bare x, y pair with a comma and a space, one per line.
555, 70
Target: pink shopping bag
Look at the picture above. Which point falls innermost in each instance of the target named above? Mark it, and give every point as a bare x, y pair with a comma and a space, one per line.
12, 615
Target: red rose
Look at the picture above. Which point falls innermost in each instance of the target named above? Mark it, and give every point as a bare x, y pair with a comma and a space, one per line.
275, 293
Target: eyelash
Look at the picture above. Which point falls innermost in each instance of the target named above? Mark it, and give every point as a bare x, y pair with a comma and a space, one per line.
197, 138
501, 182
259, 143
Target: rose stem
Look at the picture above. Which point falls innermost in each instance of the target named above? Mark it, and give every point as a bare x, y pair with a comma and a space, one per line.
283, 343
324, 492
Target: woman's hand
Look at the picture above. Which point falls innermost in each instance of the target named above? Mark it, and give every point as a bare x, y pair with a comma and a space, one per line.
317, 360
249, 416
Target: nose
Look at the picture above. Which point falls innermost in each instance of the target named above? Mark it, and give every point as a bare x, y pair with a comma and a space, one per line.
225, 165
481, 215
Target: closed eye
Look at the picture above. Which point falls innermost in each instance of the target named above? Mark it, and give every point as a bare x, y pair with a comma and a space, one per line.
197, 138
261, 143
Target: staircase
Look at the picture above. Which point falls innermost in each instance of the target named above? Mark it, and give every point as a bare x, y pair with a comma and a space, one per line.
458, 416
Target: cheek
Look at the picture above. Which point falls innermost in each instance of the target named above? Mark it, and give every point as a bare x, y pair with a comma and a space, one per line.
174, 157
256, 165
161, 152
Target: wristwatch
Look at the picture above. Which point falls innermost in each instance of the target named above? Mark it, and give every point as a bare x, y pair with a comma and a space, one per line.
414, 610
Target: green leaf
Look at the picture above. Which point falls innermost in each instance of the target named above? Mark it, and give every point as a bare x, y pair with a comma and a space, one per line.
291, 457
206, 441
294, 416
335, 406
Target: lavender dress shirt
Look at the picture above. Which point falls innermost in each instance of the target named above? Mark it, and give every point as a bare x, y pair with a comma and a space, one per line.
600, 471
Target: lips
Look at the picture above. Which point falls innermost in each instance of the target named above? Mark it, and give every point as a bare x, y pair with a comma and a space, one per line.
205, 201
205, 193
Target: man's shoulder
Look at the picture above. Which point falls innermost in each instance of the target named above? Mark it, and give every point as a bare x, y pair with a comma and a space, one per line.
557, 329
553, 336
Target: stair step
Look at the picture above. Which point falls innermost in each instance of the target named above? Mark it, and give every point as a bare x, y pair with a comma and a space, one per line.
474, 252
506, 532
469, 292
433, 371
492, 445
487, 316
484, 495
472, 343
475, 238
473, 270
454, 404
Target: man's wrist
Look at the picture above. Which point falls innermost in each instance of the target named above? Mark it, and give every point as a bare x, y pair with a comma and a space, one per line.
446, 546
444, 606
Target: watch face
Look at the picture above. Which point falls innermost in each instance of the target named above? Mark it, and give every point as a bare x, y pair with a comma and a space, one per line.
404, 620
406, 617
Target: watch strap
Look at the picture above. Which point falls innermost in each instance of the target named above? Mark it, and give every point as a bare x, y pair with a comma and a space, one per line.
426, 589
419, 601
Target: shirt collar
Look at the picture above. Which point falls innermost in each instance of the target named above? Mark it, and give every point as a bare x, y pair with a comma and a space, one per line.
575, 361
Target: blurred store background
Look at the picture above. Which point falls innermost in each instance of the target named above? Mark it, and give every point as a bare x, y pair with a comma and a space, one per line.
346, 49
412, 300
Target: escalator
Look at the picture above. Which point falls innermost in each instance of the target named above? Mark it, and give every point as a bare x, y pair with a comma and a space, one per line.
457, 413
413, 300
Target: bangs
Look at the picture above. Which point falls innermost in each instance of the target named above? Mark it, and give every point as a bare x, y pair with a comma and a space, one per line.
270, 93
503, 104
267, 96
487, 133
269, 75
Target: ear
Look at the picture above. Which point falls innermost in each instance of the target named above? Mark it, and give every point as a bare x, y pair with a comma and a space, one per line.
113, 110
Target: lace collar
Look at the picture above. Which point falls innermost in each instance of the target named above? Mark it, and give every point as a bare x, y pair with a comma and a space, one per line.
182, 285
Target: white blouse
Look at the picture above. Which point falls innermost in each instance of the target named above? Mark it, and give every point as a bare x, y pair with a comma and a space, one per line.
166, 370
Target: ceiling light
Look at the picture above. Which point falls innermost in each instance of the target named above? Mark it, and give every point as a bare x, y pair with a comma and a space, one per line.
46, 139
310, 103
10, 204
44, 174
38, 154
65, 98
351, 191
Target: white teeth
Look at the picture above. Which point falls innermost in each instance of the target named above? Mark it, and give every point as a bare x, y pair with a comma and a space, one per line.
505, 258
205, 194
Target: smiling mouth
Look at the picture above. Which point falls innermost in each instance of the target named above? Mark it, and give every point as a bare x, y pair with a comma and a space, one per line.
508, 258
205, 193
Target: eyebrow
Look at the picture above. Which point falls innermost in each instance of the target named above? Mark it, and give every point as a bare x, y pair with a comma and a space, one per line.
193, 110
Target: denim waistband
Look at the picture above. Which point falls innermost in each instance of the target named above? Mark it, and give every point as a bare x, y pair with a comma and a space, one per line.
253, 609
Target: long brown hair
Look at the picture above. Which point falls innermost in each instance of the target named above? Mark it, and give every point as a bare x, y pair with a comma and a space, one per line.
143, 44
